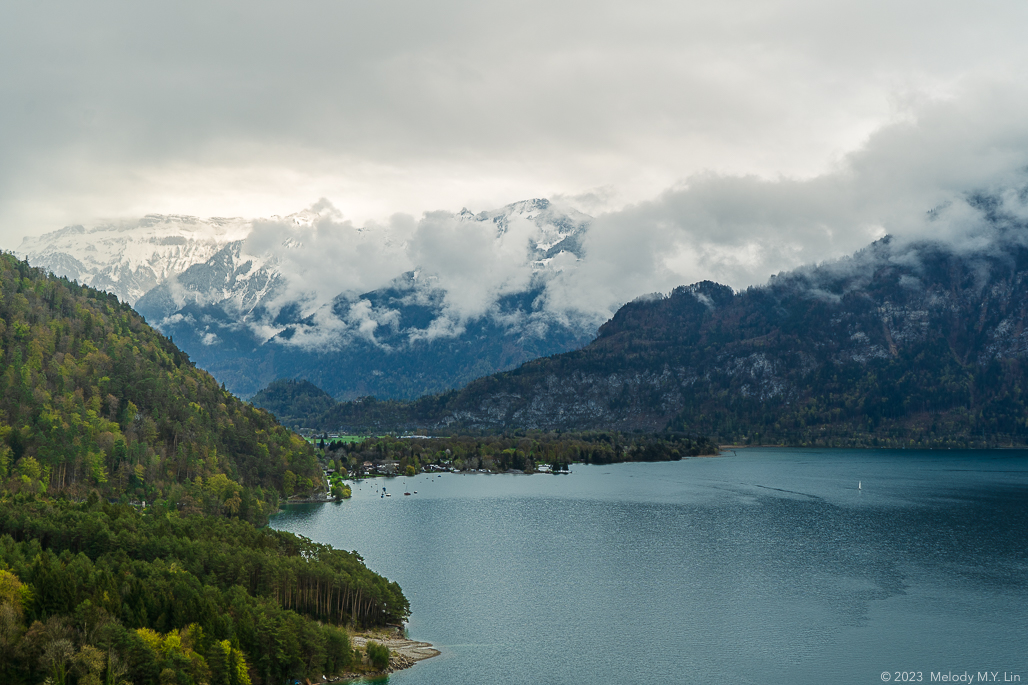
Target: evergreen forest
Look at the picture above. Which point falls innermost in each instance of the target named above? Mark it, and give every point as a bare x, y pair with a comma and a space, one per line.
133, 488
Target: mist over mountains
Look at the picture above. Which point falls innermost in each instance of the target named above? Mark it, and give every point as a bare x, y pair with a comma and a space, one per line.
396, 311
410, 307
904, 343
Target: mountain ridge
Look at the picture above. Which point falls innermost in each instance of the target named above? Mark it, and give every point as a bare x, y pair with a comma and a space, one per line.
917, 343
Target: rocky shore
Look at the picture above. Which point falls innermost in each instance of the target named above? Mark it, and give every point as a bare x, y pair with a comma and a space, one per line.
403, 653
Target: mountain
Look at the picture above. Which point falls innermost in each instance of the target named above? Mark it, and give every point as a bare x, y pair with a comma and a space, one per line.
250, 317
131, 258
359, 311
130, 486
911, 344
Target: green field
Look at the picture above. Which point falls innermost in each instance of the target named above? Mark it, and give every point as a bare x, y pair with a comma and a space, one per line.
340, 439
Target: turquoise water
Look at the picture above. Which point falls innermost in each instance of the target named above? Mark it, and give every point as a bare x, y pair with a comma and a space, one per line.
766, 566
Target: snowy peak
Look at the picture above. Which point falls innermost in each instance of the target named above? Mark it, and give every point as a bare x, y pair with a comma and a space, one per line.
231, 278
558, 229
130, 258
315, 279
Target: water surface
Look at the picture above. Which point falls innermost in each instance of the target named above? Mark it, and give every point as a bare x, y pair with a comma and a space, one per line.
764, 566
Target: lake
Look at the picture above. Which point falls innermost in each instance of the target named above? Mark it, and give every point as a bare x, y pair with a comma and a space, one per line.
760, 566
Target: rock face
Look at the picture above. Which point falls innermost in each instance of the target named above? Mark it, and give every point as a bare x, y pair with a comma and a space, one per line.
230, 279
899, 343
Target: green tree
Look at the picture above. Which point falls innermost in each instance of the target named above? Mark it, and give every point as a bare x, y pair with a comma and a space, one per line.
378, 655
228, 665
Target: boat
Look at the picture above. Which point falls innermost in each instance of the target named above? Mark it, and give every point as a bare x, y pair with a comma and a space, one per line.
406, 494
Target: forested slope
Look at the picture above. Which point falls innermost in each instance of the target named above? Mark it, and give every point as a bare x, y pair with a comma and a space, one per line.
130, 483
93, 398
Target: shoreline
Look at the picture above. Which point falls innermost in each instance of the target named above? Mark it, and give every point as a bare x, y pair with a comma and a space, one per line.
403, 652
310, 500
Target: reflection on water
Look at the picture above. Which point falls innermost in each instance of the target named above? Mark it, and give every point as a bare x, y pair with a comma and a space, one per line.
768, 566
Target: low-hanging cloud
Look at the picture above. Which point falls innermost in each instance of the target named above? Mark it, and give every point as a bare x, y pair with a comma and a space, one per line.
322, 255
916, 180
921, 178
937, 173
473, 263
460, 266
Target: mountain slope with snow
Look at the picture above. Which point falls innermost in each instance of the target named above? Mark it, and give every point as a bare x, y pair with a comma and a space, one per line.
394, 310
274, 306
129, 259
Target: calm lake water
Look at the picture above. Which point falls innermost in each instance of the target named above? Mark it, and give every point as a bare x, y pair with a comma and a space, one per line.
767, 566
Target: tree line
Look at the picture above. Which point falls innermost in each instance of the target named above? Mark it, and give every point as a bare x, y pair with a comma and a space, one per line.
522, 450
90, 587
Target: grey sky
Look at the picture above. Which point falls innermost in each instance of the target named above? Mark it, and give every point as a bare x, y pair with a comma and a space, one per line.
725, 140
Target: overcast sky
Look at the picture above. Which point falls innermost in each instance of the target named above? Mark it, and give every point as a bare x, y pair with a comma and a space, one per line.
725, 140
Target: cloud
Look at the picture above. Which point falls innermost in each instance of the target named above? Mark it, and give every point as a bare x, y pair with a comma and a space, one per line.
460, 266
473, 262
322, 256
916, 179
935, 175
255, 108
724, 141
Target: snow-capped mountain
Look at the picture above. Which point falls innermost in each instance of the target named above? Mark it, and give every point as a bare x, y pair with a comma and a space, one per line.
281, 304
128, 259
395, 309
231, 278
558, 230
251, 286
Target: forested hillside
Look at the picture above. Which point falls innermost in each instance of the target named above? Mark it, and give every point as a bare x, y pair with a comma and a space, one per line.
130, 483
913, 345
93, 398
